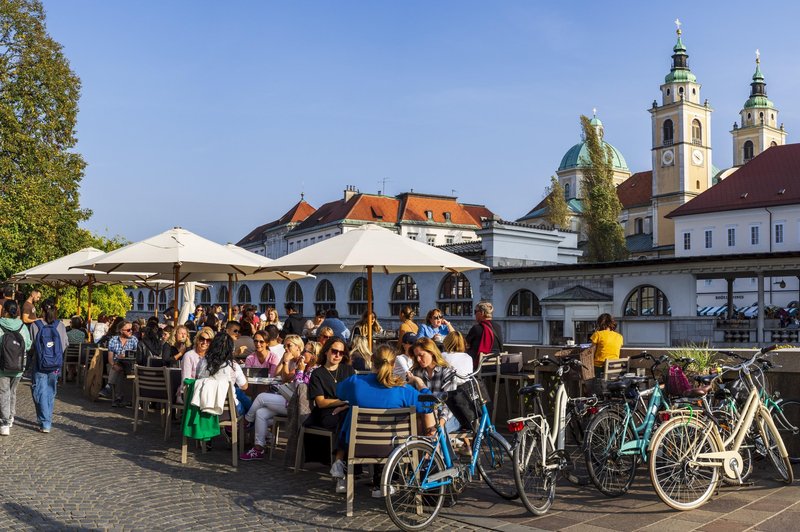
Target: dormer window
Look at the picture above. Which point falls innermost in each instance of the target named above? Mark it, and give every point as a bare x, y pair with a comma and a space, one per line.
429, 215
446, 216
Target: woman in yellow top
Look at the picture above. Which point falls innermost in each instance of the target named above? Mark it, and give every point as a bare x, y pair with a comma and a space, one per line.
607, 342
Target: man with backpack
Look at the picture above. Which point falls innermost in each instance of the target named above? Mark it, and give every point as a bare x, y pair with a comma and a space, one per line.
49, 343
15, 340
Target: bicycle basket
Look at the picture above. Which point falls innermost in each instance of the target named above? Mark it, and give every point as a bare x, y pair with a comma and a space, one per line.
676, 383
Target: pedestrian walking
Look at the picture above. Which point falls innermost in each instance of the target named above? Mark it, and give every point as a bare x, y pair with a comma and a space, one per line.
49, 343
15, 341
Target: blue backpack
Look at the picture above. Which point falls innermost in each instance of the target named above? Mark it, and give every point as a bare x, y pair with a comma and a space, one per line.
49, 353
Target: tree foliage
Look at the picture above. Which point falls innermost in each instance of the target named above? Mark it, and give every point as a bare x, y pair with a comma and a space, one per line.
557, 209
40, 173
602, 208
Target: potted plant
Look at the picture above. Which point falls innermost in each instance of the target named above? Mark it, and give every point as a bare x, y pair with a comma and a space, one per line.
703, 355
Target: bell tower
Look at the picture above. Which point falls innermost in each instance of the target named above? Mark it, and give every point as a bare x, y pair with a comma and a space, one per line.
759, 122
681, 139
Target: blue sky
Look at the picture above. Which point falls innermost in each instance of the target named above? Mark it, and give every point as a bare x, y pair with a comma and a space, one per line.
215, 116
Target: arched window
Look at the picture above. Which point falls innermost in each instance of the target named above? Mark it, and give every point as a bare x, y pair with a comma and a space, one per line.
294, 294
325, 296
205, 296
773, 143
151, 301
566, 191
222, 296
748, 150
667, 132
524, 303
358, 297
243, 295
455, 295
404, 292
267, 297
647, 300
140, 301
162, 301
697, 132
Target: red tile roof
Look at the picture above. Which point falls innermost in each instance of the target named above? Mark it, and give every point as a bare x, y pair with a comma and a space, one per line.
299, 212
414, 207
770, 179
636, 190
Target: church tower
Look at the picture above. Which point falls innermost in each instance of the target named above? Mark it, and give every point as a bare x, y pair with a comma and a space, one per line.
681, 155
759, 119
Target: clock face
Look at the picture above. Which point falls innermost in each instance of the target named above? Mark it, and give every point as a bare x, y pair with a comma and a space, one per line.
697, 157
667, 158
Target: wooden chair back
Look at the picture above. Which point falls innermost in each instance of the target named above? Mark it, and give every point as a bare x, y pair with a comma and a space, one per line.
615, 368
151, 384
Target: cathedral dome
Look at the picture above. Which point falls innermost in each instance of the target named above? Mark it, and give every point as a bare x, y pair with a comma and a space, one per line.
578, 156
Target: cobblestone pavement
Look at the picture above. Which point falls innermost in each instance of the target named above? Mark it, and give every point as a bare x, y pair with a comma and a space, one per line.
93, 472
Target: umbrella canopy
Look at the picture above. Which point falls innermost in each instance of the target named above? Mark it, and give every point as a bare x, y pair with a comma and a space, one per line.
175, 251
371, 246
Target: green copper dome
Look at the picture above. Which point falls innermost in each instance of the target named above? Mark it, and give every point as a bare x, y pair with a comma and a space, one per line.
578, 156
680, 75
680, 65
758, 101
758, 92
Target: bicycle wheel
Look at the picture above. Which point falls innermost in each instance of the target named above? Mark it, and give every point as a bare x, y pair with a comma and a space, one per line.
772, 445
786, 416
536, 484
409, 506
610, 471
574, 440
678, 480
496, 465
726, 426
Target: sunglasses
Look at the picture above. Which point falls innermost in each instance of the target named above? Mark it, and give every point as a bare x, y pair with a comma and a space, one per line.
437, 317
287, 346
235, 331
306, 351
336, 352
325, 337
259, 342
126, 330
204, 340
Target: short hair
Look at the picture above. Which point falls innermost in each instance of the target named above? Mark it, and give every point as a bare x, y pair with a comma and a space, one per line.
486, 308
331, 313
327, 331
606, 321
319, 314
429, 315
232, 323
289, 307
8, 291
272, 332
205, 332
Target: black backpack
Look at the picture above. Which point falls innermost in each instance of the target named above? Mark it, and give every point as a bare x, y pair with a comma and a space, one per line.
12, 350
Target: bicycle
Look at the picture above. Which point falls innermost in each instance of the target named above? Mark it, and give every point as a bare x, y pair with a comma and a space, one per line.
618, 437
539, 448
419, 470
688, 452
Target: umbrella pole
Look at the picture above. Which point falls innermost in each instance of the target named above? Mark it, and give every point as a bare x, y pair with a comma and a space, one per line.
369, 307
177, 271
155, 312
78, 299
230, 296
89, 304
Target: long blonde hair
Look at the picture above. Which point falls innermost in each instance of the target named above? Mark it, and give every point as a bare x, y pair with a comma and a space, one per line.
426, 344
359, 348
383, 362
296, 340
205, 332
454, 343
173, 341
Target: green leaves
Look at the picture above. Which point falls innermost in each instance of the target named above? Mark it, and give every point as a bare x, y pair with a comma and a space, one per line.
606, 237
557, 209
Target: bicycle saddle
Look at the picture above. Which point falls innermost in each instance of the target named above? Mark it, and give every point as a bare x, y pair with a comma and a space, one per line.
624, 383
706, 379
531, 389
700, 391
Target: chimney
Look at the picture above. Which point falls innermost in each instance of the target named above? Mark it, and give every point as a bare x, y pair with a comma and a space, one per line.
350, 191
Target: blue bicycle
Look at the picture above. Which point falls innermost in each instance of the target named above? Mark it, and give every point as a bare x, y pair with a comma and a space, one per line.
422, 471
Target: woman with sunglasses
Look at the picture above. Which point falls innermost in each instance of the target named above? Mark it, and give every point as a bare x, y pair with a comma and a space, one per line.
435, 326
190, 361
267, 405
292, 352
328, 410
261, 357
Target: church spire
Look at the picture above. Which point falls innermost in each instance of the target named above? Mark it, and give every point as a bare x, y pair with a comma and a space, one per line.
680, 60
758, 87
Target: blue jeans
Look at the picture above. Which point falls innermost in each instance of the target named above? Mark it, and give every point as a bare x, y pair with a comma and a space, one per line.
244, 401
43, 388
452, 425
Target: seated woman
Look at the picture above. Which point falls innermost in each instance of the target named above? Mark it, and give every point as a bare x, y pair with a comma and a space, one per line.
311, 326
177, 345
328, 410
407, 324
607, 342
268, 405
292, 353
431, 371
244, 345
435, 326
360, 357
219, 358
455, 354
381, 389
360, 328
261, 357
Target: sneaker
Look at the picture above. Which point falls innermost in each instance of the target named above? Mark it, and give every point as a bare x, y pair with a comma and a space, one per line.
337, 470
341, 484
5, 430
105, 392
45, 430
376, 492
252, 454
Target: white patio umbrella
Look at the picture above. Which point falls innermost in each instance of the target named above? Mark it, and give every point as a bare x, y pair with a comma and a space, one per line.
178, 252
230, 277
64, 271
371, 246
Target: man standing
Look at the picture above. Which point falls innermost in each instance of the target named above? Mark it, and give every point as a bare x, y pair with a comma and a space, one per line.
485, 336
6, 294
118, 349
29, 307
294, 322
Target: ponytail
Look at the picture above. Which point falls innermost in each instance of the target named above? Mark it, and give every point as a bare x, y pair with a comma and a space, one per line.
383, 363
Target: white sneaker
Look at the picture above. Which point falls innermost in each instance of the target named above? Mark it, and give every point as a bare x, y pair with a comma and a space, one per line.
341, 485
376, 492
337, 469
5, 430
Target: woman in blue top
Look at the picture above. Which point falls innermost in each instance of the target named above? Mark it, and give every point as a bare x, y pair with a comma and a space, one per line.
435, 326
382, 389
